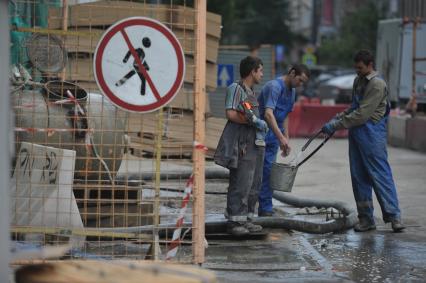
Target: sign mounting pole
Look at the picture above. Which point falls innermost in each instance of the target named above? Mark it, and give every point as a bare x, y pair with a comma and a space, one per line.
199, 132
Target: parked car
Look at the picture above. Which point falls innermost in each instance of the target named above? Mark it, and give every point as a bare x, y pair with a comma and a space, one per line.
319, 74
338, 89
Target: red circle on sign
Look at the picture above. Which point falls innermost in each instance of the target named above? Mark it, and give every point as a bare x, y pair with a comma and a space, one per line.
119, 28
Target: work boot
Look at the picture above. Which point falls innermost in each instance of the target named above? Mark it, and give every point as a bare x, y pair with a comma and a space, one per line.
397, 225
364, 226
253, 228
265, 214
236, 229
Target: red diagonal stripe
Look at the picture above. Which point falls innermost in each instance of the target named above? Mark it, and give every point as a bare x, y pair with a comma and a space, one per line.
141, 67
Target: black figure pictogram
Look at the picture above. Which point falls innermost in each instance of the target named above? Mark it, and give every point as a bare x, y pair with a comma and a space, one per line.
146, 42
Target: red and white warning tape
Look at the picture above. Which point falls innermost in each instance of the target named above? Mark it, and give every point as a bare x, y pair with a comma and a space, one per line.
200, 146
174, 244
73, 99
70, 100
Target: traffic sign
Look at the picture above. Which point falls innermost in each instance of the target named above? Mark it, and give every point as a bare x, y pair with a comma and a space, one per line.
225, 75
139, 64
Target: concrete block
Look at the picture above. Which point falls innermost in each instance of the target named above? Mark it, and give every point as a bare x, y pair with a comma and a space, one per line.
397, 131
416, 138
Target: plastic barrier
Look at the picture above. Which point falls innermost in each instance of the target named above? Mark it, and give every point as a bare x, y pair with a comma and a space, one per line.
308, 117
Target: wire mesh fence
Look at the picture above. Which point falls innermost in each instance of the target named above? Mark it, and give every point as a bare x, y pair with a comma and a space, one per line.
106, 182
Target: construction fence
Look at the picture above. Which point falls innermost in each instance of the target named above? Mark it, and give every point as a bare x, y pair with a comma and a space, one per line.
88, 175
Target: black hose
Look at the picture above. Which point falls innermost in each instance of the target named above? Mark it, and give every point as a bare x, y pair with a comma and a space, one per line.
210, 173
348, 220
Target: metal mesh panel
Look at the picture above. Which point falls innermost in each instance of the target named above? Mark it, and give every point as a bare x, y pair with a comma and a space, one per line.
88, 175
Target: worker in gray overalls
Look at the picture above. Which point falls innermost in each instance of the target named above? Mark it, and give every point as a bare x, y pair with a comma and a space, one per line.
239, 152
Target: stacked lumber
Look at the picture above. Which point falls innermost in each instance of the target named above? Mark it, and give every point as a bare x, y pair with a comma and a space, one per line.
145, 146
214, 129
88, 21
177, 139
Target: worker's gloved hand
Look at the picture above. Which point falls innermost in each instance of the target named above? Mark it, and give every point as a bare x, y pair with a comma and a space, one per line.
338, 116
330, 127
260, 124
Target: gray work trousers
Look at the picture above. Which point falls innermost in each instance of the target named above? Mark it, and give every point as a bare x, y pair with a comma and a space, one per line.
244, 185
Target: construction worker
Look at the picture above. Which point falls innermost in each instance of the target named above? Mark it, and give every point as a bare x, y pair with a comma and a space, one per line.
238, 152
276, 101
366, 120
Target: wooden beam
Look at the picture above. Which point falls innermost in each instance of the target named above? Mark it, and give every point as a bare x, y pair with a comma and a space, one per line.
199, 131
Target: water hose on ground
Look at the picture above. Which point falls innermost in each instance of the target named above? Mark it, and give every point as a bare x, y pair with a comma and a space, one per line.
348, 220
211, 173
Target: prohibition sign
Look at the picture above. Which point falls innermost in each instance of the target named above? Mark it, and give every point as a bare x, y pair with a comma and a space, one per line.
139, 64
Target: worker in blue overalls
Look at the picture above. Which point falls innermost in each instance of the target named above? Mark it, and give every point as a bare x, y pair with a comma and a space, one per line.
276, 101
366, 120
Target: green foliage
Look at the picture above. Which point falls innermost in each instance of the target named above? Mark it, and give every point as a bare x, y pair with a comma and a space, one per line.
358, 30
253, 22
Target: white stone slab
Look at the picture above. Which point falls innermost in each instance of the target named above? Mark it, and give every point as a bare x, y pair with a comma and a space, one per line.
41, 193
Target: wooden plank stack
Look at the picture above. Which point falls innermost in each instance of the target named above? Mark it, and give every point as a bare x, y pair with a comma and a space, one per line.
89, 20
177, 139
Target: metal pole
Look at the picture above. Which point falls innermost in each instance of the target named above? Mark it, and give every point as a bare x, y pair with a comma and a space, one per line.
199, 131
414, 51
65, 29
156, 239
412, 103
5, 144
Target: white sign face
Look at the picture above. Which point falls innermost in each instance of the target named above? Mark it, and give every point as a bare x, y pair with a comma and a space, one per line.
139, 64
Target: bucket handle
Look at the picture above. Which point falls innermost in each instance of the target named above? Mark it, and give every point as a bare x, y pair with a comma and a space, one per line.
316, 149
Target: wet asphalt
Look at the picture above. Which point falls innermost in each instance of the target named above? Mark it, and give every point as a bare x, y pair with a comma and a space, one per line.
290, 256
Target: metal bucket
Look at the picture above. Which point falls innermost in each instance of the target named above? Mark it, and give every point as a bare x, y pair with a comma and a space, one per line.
282, 177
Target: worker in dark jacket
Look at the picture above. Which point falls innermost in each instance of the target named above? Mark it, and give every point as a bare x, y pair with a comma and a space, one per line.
366, 120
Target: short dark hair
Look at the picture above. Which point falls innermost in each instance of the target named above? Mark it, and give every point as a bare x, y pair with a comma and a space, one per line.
299, 69
249, 64
365, 56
